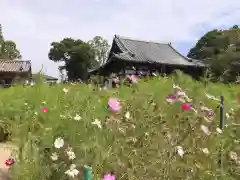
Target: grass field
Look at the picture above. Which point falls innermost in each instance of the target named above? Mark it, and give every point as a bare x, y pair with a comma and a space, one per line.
148, 139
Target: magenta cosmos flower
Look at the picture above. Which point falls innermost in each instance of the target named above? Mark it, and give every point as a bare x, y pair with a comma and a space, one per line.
45, 110
108, 176
114, 104
9, 162
186, 107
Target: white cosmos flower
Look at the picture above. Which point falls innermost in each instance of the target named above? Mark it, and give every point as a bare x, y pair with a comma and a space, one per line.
121, 130
180, 151
71, 154
205, 150
233, 155
77, 117
97, 123
219, 131
72, 171
44, 102
62, 116
146, 133
236, 141
127, 115
227, 115
58, 143
54, 156
65, 90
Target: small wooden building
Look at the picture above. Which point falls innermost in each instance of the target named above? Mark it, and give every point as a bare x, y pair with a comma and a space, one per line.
130, 56
14, 70
45, 78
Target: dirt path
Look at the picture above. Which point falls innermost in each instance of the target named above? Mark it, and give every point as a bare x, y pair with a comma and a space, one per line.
5, 153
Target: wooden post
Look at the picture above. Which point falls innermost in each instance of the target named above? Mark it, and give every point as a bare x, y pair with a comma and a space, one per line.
87, 173
222, 114
221, 126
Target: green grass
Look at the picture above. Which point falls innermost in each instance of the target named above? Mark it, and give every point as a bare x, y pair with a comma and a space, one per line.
140, 148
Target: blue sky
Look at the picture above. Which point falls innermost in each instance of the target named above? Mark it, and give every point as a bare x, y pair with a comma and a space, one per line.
34, 24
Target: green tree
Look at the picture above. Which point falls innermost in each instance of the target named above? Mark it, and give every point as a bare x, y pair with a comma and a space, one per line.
220, 49
77, 56
8, 49
100, 47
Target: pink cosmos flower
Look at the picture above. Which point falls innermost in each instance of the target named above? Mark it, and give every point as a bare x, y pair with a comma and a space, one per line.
132, 78
114, 104
186, 107
108, 176
116, 80
181, 94
45, 110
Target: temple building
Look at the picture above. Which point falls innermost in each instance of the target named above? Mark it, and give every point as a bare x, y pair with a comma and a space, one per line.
130, 56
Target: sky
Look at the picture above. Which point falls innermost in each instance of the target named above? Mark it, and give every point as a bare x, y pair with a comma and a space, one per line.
34, 24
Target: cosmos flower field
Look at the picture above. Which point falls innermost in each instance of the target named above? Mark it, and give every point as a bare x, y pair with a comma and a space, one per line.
158, 128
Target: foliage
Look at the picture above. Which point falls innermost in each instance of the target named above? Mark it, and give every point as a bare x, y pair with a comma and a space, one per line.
8, 49
77, 55
101, 47
140, 145
220, 49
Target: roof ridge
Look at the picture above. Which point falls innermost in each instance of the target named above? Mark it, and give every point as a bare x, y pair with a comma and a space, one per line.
142, 40
9, 60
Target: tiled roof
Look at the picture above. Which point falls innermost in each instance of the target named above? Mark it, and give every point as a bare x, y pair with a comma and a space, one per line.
14, 66
35, 76
152, 52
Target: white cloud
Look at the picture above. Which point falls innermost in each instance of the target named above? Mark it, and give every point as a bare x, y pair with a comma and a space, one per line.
33, 25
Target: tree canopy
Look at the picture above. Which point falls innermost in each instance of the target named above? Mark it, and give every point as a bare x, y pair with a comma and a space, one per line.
100, 47
77, 55
8, 49
221, 50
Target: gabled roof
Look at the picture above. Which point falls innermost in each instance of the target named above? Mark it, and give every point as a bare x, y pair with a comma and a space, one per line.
151, 52
15, 66
140, 51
